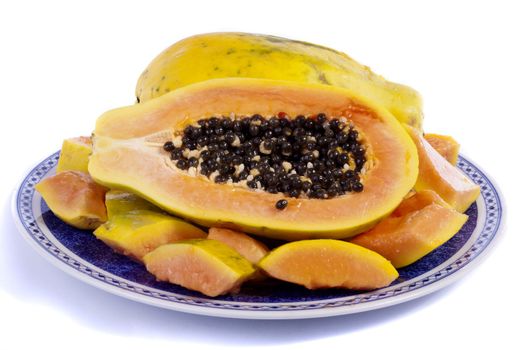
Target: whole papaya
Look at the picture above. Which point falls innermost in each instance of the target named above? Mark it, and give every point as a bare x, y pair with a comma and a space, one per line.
224, 55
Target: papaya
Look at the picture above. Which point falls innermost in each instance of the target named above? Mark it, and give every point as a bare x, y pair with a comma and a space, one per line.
419, 225
137, 232
438, 175
205, 265
120, 202
75, 198
248, 247
225, 55
74, 154
284, 160
418, 200
328, 263
445, 145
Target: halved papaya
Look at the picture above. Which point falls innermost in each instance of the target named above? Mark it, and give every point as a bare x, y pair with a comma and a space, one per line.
131, 147
205, 265
438, 175
137, 232
74, 154
244, 55
250, 248
327, 263
75, 198
419, 225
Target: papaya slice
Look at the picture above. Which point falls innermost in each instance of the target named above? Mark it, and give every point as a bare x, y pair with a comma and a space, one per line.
327, 263
248, 247
228, 55
128, 154
137, 232
120, 202
419, 200
74, 154
420, 224
445, 145
75, 198
205, 265
438, 175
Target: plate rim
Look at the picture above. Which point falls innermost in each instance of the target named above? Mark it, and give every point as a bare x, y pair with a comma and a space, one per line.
201, 308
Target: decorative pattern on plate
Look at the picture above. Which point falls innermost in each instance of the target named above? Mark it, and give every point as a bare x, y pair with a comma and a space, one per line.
78, 252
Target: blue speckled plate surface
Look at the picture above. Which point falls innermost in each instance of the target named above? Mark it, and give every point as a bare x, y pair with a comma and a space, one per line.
79, 253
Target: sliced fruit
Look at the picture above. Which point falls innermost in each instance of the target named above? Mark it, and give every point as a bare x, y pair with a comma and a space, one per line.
419, 200
326, 263
407, 238
205, 265
243, 55
438, 175
74, 154
120, 202
250, 248
130, 146
75, 198
445, 145
137, 232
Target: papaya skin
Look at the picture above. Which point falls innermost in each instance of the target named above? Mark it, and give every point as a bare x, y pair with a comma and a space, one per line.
75, 198
328, 263
120, 202
224, 55
137, 232
74, 154
124, 155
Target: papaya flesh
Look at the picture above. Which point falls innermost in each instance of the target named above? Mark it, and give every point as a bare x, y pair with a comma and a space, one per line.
128, 155
247, 246
419, 226
327, 263
137, 232
225, 55
445, 145
438, 175
75, 198
205, 265
74, 154
418, 200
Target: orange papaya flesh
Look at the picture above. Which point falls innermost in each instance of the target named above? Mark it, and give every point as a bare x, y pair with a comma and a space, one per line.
328, 263
438, 175
205, 265
445, 145
75, 198
419, 200
250, 248
421, 223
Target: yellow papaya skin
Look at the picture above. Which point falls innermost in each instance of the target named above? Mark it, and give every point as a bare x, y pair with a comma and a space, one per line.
74, 155
224, 55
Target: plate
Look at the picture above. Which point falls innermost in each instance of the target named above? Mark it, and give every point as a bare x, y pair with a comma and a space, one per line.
80, 254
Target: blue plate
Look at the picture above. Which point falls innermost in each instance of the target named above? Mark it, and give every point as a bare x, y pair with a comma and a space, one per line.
79, 253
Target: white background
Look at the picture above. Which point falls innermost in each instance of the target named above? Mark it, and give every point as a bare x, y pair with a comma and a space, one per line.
63, 63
